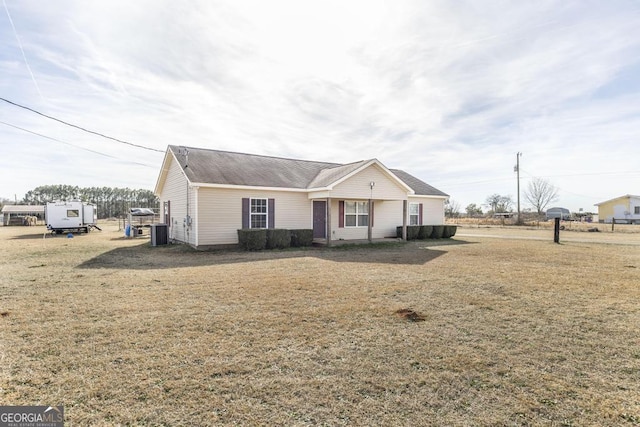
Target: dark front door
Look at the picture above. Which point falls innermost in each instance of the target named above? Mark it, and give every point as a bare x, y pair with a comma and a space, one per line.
319, 219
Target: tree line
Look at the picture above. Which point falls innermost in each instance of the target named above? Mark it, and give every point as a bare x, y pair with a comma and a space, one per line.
110, 201
539, 194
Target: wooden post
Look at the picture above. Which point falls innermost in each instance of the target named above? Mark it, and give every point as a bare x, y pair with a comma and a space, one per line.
613, 223
404, 220
556, 230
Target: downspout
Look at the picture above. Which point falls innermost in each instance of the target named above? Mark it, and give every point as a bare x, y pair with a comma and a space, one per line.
186, 224
404, 220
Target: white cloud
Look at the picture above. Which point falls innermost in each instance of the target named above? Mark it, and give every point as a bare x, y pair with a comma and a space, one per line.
447, 91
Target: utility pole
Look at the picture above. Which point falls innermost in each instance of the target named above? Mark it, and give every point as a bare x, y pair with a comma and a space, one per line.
517, 170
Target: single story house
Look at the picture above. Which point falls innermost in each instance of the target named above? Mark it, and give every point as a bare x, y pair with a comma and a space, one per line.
621, 209
207, 195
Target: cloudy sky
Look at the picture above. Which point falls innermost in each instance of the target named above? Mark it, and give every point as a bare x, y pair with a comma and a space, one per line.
449, 91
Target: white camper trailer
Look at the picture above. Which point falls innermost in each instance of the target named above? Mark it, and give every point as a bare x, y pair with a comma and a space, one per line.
70, 216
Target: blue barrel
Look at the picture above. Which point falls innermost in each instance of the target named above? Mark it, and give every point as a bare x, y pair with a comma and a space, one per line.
127, 230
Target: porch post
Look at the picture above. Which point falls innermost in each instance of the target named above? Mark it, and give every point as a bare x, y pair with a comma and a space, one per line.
328, 221
404, 220
369, 233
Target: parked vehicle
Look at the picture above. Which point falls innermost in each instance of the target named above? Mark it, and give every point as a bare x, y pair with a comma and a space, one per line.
70, 216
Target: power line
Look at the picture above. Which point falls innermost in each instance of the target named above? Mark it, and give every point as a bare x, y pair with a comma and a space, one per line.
589, 174
81, 128
571, 192
73, 145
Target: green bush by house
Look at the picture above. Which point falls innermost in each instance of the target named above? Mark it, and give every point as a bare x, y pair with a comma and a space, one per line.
278, 238
425, 232
437, 232
413, 231
301, 238
449, 231
251, 239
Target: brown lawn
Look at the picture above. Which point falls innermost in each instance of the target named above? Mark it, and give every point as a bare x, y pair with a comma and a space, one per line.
517, 331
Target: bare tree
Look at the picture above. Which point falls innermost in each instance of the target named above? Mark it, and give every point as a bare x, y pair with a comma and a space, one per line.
451, 208
493, 201
540, 193
505, 204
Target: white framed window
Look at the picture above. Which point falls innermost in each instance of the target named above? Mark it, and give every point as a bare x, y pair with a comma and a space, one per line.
258, 213
356, 214
636, 210
414, 214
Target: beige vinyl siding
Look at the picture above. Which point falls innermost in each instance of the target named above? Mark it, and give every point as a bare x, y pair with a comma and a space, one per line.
175, 191
432, 209
614, 209
605, 211
357, 186
387, 216
622, 208
220, 212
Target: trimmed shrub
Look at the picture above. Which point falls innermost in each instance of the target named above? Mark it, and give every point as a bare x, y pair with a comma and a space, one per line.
301, 238
449, 231
437, 231
278, 238
412, 232
252, 239
425, 232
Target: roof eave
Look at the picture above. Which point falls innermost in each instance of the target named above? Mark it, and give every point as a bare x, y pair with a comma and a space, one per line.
430, 196
163, 173
247, 187
165, 169
626, 196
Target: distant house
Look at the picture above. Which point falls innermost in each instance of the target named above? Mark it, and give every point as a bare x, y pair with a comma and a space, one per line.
562, 213
207, 195
622, 209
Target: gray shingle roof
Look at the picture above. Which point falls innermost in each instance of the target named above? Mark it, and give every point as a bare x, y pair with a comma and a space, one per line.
229, 168
22, 209
420, 187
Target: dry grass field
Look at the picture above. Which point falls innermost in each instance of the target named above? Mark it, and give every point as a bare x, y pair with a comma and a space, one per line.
516, 331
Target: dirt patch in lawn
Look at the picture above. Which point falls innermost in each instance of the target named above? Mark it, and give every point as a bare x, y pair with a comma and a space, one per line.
515, 332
